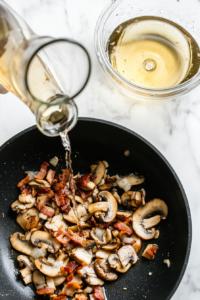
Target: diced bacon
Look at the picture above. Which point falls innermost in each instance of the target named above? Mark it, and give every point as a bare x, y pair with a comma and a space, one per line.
43, 200
59, 198
59, 232
64, 176
60, 298
50, 176
23, 181
26, 190
93, 177
84, 180
70, 277
66, 208
71, 267
43, 170
152, 251
109, 180
58, 186
45, 291
43, 190
84, 194
75, 237
81, 297
48, 211
70, 288
123, 227
62, 239
66, 191
98, 293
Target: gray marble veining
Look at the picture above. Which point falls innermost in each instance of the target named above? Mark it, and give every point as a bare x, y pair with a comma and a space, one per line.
172, 126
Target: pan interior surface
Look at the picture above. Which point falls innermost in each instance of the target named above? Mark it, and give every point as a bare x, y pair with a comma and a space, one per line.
94, 140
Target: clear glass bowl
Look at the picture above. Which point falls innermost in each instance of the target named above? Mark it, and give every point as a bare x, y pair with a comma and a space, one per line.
185, 13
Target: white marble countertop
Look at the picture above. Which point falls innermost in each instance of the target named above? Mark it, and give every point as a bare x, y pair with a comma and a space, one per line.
171, 126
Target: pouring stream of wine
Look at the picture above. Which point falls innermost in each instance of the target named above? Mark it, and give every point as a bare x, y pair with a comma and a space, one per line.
66, 144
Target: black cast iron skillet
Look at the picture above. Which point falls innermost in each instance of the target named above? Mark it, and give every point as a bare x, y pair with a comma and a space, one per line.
94, 140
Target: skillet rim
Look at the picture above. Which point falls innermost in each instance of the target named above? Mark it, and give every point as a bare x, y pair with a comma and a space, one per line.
186, 260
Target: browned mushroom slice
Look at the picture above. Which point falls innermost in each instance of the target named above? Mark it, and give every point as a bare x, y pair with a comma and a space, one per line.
50, 283
44, 240
59, 280
116, 195
151, 222
94, 281
155, 205
98, 206
103, 270
103, 254
38, 280
81, 256
133, 240
121, 269
26, 275
124, 214
20, 244
95, 194
50, 269
113, 245
126, 255
29, 219
21, 207
112, 206
150, 251
98, 172
105, 186
128, 181
115, 263
70, 217
24, 261
26, 198
133, 199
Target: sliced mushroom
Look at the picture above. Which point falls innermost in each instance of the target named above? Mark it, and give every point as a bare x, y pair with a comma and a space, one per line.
26, 198
89, 244
50, 269
99, 172
89, 187
94, 281
126, 255
51, 258
56, 222
26, 275
20, 207
24, 261
70, 217
82, 210
43, 182
134, 240
105, 186
115, 233
50, 283
21, 244
98, 206
116, 195
81, 256
103, 270
38, 280
121, 269
59, 280
29, 219
44, 240
86, 271
134, 199
128, 181
124, 214
155, 205
151, 222
115, 244
150, 251
112, 206
113, 261
38, 252
103, 254
95, 194
99, 235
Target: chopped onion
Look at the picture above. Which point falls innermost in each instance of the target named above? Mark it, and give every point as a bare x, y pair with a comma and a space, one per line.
124, 184
167, 262
54, 161
58, 263
31, 174
39, 252
106, 163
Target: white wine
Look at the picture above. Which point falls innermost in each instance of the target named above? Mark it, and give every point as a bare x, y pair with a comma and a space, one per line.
153, 52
